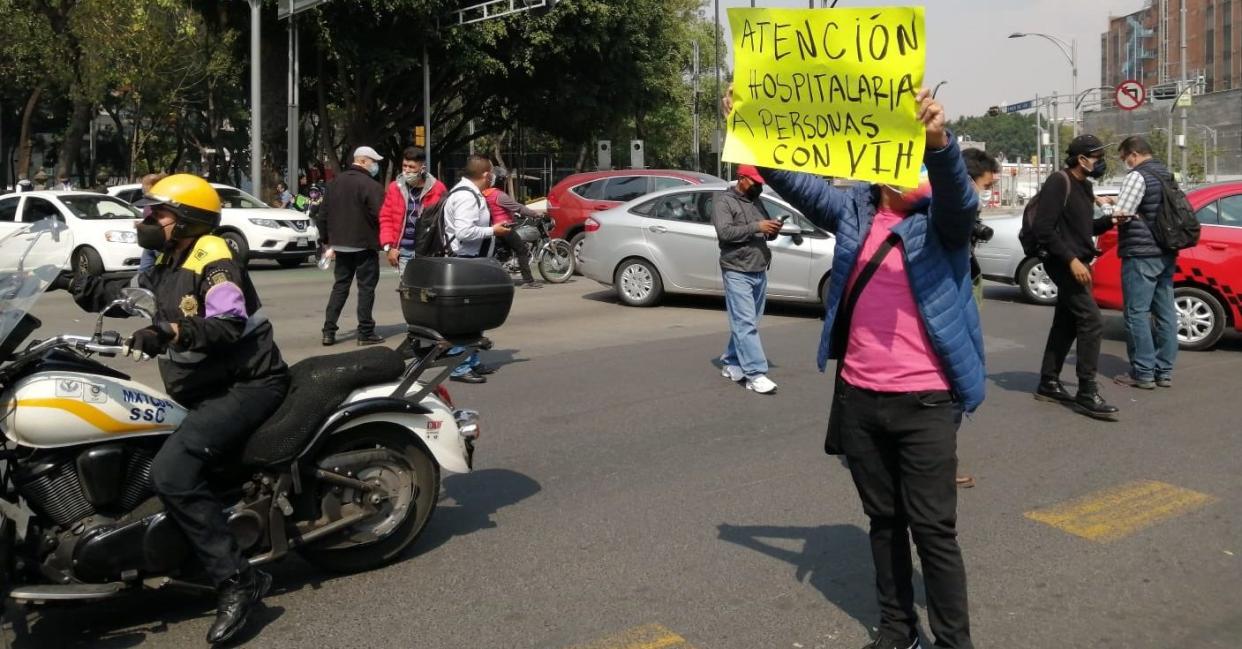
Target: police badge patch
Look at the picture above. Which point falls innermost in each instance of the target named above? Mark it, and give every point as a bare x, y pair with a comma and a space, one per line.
218, 277
189, 306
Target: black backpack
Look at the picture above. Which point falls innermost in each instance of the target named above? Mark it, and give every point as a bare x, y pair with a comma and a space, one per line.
1026, 235
1175, 227
430, 234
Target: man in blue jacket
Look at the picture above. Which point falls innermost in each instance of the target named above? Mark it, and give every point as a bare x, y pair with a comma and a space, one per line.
910, 364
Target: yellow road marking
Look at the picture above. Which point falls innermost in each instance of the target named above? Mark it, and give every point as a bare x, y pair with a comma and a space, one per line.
649, 636
1116, 512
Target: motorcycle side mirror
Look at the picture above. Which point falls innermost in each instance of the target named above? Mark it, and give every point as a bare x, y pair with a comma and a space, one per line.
138, 301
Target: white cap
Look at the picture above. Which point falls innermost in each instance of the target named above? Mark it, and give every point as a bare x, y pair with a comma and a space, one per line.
367, 152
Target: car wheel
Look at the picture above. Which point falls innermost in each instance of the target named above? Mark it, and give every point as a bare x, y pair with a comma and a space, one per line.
575, 242
1200, 318
237, 244
638, 283
86, 261
291, 263
1036, 286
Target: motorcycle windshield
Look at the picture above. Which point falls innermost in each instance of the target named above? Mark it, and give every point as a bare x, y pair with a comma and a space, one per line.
31, 258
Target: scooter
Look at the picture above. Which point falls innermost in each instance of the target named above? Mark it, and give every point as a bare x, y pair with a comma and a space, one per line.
346, 472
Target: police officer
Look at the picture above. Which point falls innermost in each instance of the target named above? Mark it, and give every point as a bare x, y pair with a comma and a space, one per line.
218, 358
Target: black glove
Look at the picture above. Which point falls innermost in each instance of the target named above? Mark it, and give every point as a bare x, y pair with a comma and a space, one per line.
152, 340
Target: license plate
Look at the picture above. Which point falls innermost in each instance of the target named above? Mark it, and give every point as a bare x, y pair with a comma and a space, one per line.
301, 242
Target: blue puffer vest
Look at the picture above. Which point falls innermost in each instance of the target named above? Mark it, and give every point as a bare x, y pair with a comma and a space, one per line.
1134, 237
936, 243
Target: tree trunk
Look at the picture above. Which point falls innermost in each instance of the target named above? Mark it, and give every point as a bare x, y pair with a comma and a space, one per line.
329, 138
500, 160
71, 148
582, 155
23, 140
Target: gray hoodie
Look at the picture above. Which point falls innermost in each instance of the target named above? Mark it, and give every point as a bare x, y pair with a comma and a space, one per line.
742, 247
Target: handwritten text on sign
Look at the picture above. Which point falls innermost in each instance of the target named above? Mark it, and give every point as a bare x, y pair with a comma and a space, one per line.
829, 91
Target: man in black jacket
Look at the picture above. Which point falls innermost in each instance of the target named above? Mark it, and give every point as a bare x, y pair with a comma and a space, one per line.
350, 233
1146, 270
1065, 224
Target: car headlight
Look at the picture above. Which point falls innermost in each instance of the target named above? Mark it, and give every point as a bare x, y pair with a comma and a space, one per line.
121, 236
265, 223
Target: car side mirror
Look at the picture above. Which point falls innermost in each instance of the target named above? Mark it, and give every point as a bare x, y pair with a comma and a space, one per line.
790, 229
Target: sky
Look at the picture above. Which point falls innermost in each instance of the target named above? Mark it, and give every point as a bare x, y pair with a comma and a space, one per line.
968, 45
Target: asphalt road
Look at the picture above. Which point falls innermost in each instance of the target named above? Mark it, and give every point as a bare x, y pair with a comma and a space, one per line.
626, 496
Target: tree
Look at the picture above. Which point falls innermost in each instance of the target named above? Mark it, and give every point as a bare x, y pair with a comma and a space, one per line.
1012, 133
29, 67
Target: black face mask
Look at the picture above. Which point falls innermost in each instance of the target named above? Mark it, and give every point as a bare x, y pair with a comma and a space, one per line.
151, 235
754, 192
1099, 169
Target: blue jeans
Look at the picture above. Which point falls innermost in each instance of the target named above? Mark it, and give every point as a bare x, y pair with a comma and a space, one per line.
403, 258
148, 260
1147, 293
745, 297
472, 361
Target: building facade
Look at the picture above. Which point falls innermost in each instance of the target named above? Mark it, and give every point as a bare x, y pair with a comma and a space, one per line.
1147, 45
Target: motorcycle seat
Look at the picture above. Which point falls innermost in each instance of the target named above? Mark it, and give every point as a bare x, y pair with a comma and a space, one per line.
318, 386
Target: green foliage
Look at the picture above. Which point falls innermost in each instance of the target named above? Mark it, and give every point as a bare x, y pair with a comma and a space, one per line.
1010, 133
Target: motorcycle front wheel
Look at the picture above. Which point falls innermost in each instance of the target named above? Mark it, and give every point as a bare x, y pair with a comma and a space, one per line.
556, 261
411, 479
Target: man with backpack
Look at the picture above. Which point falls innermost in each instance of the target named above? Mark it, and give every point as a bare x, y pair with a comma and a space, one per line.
469, 230
1064, 224
1146, 268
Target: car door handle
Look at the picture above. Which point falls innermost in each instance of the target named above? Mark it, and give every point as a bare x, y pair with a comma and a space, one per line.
1217, 246
600, 208
657, 228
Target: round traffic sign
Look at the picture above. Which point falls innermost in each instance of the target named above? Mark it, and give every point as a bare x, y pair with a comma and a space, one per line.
1130, 94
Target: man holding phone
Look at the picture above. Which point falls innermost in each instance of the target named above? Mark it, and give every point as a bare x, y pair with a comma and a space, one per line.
744, 229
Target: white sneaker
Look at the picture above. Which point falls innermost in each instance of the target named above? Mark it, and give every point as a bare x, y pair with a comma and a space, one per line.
732, 372
761, 384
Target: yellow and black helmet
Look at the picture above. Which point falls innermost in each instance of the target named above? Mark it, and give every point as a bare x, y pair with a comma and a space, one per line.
192, 199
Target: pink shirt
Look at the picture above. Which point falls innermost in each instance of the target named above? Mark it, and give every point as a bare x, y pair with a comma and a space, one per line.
889, 350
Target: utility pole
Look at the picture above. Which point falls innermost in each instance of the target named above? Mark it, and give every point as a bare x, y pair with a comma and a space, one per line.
1039, 143
1056, 128
694, 143
717, 137
1185, 111
294, 128
256, 107
427, 108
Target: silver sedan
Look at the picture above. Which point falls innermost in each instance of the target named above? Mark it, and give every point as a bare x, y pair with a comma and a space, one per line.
664, 242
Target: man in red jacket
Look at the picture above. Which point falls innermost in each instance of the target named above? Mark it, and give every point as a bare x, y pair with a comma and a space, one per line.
412, 192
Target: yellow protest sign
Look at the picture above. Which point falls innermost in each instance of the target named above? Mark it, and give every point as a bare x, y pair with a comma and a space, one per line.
829, 91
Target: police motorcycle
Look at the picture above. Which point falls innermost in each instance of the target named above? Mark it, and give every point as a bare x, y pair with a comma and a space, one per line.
346, 472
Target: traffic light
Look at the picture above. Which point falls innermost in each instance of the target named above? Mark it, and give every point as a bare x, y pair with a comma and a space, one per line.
994, 111
420, 137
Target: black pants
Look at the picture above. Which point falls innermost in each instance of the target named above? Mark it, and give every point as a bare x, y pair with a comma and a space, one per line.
514, 243
364, 265
1077, 317
214, 428
902, 453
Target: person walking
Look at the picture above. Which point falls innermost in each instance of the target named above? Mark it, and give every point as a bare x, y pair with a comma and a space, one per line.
1065, 225
412, 192
504, 208
351, 237
1146, 270
902, 324
471, 233
743, 230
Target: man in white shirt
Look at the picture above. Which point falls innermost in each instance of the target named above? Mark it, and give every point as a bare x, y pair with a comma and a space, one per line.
468, 224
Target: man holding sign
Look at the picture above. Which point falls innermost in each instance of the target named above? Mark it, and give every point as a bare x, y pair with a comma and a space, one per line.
900, 319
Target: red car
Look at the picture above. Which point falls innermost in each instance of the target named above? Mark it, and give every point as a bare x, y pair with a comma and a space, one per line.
1208, 280
572, 200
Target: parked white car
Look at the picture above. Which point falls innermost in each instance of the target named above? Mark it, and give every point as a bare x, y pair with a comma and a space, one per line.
664, 242
254, 230
102, 226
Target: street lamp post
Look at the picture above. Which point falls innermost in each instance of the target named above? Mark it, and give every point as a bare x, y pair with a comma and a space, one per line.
1070, 50
256, 103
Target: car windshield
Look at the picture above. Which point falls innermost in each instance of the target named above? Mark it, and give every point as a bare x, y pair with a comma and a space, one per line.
100, 207
31, 258
233, 198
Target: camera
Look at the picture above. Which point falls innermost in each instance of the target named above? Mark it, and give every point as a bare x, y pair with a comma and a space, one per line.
981, 233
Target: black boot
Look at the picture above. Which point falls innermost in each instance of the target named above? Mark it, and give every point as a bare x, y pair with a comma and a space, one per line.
238, 596
1052, 390
1090, 403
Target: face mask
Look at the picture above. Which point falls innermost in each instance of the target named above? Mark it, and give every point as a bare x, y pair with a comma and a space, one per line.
373, 169
151, 235
1099, 169
754, 192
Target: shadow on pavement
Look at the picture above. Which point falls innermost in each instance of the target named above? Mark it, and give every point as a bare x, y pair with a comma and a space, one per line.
1016, 381
835, 559
715, 303
476, 496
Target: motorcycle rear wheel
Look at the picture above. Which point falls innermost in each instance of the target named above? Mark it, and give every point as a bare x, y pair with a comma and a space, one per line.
556, 261
416, 468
